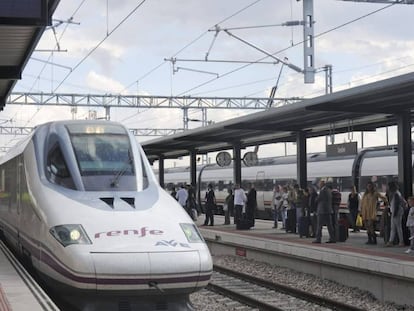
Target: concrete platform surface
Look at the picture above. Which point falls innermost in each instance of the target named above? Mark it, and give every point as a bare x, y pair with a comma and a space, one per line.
352, 253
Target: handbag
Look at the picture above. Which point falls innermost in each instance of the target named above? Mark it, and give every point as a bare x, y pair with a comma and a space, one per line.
358, 221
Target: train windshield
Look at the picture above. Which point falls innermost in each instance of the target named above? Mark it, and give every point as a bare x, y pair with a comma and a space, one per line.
103, 151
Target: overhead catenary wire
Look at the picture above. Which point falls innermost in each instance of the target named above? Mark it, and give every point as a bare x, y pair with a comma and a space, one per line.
44, 67
222, 75
191, 43
182, 49
100, 42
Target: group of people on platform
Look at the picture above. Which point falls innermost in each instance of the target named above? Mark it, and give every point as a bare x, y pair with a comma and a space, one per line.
320, 208
187, 199
294, 206
240, 205
397, 216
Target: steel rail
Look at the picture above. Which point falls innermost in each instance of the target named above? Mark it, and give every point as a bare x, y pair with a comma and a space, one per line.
300, 294
247, 300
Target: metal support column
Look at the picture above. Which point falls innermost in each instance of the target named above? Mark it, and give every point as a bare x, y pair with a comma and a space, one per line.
302, 172
185, 118
107, 113
405, 168
161, 170
237, 164
193, 167
308, 46
328, 79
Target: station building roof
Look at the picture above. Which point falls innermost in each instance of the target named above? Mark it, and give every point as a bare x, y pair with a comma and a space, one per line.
363, 108
22, 23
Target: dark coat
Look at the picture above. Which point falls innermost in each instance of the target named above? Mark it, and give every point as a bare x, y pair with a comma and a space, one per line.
325, 202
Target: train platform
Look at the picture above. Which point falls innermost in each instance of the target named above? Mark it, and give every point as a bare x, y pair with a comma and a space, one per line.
18, 291
387, 272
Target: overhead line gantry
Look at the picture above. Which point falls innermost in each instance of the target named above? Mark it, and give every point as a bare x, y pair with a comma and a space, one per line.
142, 101
109, 101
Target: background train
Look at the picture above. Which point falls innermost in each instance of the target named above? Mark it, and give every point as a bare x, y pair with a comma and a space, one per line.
81, 205
372, 164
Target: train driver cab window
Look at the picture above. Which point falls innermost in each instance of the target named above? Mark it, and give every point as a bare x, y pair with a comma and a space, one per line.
57, 170
104, 157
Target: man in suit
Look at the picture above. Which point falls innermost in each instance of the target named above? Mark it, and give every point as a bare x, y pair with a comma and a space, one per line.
324, 213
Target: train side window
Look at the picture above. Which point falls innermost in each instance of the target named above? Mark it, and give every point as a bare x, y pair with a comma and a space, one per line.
57, 170
258, 184
268, 185
347, 184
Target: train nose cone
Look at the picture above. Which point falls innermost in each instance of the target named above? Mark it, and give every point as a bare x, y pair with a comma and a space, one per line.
148, 271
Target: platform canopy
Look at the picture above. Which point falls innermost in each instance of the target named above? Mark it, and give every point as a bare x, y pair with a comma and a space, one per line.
22, 23
363, 108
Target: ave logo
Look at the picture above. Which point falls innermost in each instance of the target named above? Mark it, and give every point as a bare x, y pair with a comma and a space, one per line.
171, 243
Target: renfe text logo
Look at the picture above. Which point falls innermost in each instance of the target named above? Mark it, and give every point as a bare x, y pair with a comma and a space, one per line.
135, 232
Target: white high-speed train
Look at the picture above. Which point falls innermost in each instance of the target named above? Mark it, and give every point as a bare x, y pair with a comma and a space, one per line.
372, 164
80, 203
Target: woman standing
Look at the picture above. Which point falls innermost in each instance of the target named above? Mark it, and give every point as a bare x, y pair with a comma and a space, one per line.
369, 210
353, 206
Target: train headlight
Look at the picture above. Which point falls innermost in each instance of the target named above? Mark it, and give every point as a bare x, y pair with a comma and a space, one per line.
70, 234
191, 233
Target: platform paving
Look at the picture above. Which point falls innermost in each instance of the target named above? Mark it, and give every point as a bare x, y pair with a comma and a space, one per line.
354, 244
387, 272
18, 292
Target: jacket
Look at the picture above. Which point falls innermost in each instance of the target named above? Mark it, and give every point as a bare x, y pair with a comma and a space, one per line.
324, 202
369, 205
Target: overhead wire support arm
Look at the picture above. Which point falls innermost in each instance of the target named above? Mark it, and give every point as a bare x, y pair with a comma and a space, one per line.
175, 69
57, 24
51, 63
291, 66
288, 23
217, 30
68, 21
199, 71
221, 61
274, 88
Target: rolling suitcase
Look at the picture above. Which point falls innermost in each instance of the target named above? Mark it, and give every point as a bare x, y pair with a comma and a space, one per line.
291, 220
342, 230
303, 226
244, 223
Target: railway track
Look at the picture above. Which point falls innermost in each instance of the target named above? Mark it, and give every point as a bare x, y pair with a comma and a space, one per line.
264, 295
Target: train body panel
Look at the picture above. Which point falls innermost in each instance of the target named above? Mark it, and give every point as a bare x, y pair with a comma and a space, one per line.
86, 227
378, 165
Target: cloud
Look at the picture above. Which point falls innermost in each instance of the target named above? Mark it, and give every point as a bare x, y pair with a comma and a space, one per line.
371, 48
103, 83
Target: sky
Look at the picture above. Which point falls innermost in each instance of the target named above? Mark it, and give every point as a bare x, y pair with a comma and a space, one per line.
126, 47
